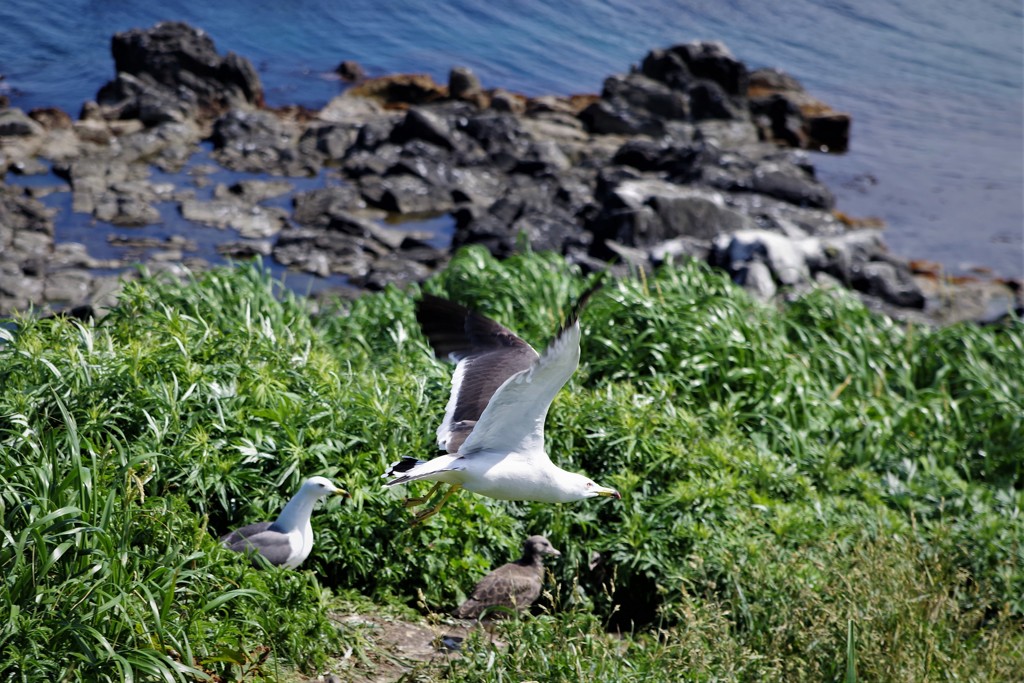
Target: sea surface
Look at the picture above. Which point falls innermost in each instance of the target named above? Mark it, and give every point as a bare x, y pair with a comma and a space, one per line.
935, 89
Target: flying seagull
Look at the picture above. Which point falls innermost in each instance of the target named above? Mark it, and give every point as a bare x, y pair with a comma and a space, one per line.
288, 540
493, 426
513, 586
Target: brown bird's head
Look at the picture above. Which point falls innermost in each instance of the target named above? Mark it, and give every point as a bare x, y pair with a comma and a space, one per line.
537, 547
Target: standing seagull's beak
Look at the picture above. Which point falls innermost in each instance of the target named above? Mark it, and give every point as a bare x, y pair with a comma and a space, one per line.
341, 492
605, 491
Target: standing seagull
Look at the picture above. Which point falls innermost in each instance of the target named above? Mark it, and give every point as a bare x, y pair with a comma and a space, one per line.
288, 540
493, 427
514, 585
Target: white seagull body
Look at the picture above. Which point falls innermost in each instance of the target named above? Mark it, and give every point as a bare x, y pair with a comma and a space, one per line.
493, 427
288, 540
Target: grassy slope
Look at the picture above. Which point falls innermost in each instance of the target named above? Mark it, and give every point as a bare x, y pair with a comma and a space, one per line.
785, 475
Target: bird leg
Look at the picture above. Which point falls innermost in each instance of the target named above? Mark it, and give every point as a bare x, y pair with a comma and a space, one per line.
423, 515
413, 502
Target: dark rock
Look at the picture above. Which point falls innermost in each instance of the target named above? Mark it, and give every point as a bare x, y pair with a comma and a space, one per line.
828, 132
668, 67
392, 270
15, 123
647, 96
501, 138
425, 161
173, 242
708, 100
542, 158
463, 84
350, 70
528, 211
788, 114
249, 220
405, 194
316, 208
420, 124
479, 185
507, 102
376, 162
67, 288
253, 190
769, 81
131, 97
26, 244
322, 252
617, 118
892, 282
96, 180
181, 62
400, 89
330, 140
714, 62
681, 162
245, 250
259, 141
30, 166
353, 111
715, 81
357, 226
125, 209
371, 136
645, 212
781, 175
779, 119
786, 182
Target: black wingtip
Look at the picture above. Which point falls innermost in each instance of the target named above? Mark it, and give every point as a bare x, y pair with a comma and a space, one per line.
454, 330
582, 300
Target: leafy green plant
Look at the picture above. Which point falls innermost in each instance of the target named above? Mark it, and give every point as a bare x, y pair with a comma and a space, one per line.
786, 473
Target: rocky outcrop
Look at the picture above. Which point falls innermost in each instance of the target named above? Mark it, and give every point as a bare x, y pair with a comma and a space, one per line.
786, 113
689, 155
172, 73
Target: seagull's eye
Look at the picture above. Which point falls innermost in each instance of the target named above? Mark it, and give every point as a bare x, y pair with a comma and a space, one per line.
590, 484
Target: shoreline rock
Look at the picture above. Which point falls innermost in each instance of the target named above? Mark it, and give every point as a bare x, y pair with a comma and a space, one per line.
688, 155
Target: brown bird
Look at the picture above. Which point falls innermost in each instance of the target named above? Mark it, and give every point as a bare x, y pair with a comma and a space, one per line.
513, 586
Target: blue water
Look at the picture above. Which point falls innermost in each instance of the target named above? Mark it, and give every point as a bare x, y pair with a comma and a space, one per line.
935, 88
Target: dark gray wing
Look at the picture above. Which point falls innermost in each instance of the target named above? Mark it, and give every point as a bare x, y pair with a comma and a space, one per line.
514, 417
486, 352
263, 538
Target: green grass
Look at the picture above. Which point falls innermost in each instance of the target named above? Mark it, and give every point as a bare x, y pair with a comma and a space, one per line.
812, 493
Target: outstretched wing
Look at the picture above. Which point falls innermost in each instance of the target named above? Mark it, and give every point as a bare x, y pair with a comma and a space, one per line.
487, 355
514, 417
501, 388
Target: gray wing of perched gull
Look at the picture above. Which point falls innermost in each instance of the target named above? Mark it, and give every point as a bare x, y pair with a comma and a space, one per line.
493, 427
273, 543
288, 540
514, 586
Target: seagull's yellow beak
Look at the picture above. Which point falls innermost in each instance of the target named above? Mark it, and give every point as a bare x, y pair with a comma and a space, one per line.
605, 491
340, 492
